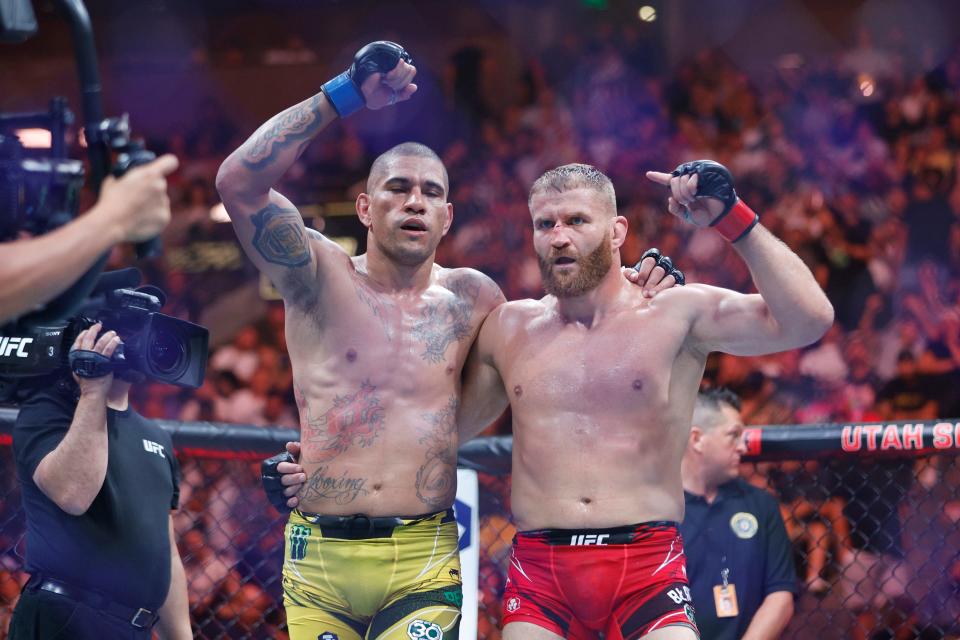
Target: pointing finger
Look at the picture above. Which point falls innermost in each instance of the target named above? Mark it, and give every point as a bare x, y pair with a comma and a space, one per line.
659, 177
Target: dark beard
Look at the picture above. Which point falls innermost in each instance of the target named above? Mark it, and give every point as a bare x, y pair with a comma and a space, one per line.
592, 269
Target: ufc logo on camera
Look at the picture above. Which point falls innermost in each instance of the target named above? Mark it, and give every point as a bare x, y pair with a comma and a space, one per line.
11, 345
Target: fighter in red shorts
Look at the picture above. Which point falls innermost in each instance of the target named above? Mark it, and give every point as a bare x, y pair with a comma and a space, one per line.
601, 382
576, 582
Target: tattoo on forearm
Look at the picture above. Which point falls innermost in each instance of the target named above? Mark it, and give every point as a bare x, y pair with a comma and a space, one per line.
437, 477
354, 419
323, 485
293, 125
280, 236
446, 322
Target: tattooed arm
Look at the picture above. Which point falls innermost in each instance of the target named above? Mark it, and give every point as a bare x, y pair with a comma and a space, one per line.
261, 161
269, 227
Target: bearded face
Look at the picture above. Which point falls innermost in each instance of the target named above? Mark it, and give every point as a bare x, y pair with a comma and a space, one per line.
567, 275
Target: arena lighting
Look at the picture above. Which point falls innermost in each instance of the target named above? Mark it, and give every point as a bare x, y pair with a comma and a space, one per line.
866, 84
647, 13
35, 138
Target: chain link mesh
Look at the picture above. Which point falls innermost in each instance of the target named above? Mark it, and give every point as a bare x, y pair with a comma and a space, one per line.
876, 541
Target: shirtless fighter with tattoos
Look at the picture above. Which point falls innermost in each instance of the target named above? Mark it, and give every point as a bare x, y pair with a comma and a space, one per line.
602, 383
377, 345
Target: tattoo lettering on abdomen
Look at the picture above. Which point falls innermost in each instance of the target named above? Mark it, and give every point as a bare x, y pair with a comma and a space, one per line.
293, 125
354, 419
447, 322
280, 236
341, 489
437, 477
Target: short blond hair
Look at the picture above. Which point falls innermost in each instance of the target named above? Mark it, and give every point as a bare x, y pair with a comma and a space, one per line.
575, 176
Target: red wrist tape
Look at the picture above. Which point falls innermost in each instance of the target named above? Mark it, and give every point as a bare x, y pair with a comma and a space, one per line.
737, 222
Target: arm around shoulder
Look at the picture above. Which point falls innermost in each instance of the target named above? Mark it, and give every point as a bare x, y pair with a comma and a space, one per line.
483, 397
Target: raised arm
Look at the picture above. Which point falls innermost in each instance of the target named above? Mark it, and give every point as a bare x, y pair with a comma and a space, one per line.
269, 226
790, 310
483, 397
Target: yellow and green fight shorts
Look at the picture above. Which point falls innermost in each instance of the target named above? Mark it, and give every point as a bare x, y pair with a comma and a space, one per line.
355, 577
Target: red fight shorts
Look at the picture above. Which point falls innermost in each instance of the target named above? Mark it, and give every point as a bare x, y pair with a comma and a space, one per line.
625, 581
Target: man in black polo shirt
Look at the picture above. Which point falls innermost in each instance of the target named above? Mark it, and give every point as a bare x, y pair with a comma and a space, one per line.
98, 482
739, 559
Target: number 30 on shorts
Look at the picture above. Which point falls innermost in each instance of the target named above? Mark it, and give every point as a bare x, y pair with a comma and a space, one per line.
423, 630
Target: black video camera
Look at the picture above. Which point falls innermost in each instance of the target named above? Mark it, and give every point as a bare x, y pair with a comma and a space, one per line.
155, 345
39, 188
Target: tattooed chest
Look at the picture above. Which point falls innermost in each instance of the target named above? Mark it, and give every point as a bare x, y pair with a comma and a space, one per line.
432, 327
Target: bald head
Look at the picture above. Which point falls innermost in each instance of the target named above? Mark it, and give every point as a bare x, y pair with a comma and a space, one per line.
381, 165
576, 176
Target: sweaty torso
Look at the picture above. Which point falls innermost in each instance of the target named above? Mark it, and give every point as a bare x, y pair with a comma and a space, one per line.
377, 380
601, 413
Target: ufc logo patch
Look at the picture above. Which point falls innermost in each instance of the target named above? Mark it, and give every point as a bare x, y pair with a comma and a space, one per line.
589, 539
154, 447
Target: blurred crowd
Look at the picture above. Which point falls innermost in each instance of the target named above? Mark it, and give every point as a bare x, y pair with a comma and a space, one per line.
851, 159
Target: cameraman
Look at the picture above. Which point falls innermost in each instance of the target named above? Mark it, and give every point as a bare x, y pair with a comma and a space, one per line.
130, 209
98, 481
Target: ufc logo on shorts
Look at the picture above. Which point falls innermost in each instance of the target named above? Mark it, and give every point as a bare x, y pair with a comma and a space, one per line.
11, 345
680, 595
153, 447
588, 539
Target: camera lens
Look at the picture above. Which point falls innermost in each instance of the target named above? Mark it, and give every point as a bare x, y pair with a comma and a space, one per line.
167, 352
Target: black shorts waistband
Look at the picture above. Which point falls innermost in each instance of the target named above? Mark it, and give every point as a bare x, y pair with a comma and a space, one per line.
625, 534
360, 526
137, 616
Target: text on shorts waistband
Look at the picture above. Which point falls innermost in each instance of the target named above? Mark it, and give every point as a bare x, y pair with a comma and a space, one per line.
626, 534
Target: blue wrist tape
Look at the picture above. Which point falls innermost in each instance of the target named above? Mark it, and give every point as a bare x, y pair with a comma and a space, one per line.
344, 95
